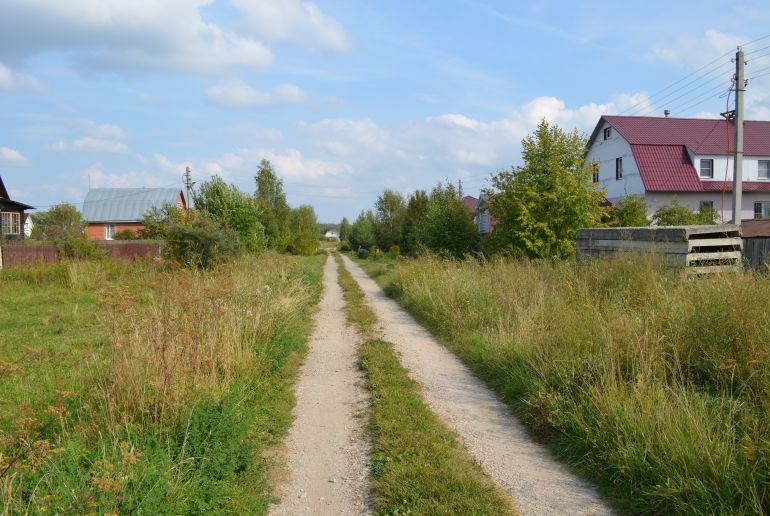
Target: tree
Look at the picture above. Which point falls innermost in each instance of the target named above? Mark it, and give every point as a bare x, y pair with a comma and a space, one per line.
234, 210
59, 223
416, 208
304, 231
541, 205
630, 211
344, 229
447, 227
390, 215
677, 214
273, 209
362, 231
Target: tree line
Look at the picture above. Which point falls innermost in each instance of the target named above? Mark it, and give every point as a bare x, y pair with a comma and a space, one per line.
538, 208
224, 222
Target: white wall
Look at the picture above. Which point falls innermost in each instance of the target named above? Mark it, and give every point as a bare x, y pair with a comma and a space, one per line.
750, 167
692, 200
605, 152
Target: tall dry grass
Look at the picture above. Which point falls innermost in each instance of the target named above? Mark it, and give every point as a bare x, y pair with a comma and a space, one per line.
654, 383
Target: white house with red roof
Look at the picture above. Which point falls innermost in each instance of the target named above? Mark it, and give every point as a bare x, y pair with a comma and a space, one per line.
660, 158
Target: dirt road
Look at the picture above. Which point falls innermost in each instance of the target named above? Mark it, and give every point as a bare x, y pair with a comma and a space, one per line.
328, 450
492, 435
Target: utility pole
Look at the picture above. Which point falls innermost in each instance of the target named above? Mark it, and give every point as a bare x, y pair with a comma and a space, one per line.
740, 87
188, 184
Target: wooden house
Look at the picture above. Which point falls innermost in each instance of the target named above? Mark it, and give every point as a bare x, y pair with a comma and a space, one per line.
12, 216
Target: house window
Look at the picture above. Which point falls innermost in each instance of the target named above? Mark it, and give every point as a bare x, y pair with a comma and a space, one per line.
762, 210
706, 205
595, 168
11, 223
607, 133
764, 169
618, 168
707, 168
109, 231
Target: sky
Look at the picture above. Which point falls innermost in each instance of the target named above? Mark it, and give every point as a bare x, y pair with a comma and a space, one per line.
345, 97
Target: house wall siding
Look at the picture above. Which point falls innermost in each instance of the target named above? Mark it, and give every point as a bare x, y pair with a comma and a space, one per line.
750, 167
605, 152
98, 230
692, 200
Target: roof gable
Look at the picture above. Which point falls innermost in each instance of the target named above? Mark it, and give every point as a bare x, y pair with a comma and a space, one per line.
3, 191
126, 204
701, 136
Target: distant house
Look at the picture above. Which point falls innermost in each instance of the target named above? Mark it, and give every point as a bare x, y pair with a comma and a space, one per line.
485, 222
109, 211
12, 216
660, 158
332, 236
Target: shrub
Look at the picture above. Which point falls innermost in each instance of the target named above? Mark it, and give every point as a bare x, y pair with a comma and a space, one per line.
200, 242
363, 253
80, 248
126, 234
345, 246
394, 251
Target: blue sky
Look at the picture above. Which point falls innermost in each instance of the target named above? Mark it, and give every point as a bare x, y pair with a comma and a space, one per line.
345, 98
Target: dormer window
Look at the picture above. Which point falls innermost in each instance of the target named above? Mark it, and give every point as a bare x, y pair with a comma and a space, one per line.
607, 133
707, 168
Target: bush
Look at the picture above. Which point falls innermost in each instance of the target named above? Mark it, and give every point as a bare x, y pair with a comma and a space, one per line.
126, 234
80, 248
394, 251
363, 253
345, 246
199, 242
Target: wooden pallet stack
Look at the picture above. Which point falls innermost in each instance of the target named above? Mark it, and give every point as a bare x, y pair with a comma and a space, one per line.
701, 249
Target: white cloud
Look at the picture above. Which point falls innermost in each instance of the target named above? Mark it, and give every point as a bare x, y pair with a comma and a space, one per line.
88, 144
237, 94
295, 22
19, 82
158, 35
341, 136
11, 155
106, 131
698, 50
98, 178
289, 163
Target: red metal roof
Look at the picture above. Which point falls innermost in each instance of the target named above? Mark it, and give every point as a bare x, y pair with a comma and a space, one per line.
666, 168
704, 137
748, 186
470, 204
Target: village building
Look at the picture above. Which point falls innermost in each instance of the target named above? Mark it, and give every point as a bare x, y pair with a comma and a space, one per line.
12, 216
660, 158
109, 211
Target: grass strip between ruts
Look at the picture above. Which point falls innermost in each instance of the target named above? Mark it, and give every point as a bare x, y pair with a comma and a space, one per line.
418, 465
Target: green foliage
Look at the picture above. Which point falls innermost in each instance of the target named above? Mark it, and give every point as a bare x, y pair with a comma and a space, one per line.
234, 210
630, 211
156, 221
416, 208
303, 231
651, 383
80, 248
541, 205
363, 253
126, 234
344, 229
345, 246
275, 214
677, 214
390, 216
199, 241
59, 223
446, 227
362, 232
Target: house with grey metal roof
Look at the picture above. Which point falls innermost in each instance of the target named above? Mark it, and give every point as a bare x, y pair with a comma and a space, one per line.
109, 211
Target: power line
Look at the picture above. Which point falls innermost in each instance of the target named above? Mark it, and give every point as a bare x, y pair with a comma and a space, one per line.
690, 91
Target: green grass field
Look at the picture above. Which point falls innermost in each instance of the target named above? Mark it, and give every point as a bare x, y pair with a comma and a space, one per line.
146, 388
418, 464
653, 384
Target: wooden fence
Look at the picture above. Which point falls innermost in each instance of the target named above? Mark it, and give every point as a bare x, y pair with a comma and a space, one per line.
20, 254
756, 252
